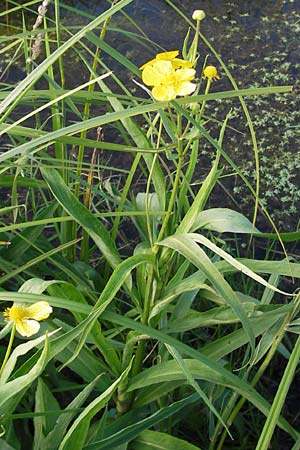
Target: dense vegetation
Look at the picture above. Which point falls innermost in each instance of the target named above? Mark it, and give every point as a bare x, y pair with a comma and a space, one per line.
138, 311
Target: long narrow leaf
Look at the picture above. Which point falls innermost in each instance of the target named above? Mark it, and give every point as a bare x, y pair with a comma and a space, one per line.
272, 418
126, 434
190, 250
82, 215
76, 435
15, 387
211, 366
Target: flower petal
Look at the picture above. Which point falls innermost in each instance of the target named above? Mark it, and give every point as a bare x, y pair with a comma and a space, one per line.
156, 74
177, 62
185, 74
185, 88
148, 63
39, 311
27, 327
167, 56
164, 93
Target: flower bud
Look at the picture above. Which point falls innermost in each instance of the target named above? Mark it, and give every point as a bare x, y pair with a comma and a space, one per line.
198, 14
211, 73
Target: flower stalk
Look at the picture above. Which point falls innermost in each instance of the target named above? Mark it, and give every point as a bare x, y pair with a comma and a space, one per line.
8, 349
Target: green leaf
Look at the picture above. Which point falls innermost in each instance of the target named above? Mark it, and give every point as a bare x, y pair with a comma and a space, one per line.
184, 245
20, 350
82, 215
274, 414
16, 387
169, 371
5, 446
117, 433
215, 316
283, 267
233, 261
77, 434
44, 402
209, 366
199, 202
260, 321
21, 242
223, 220
190, 379
117, 279
38, 286
58, 432
111, 51
155, 440
35, 261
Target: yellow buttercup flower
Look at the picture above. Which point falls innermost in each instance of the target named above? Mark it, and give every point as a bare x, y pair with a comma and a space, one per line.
211, 73
168, 82
26, 318
169, 56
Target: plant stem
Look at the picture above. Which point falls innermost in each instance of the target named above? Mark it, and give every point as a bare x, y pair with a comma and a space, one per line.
204, 101
148, 218
260, 371
8, 350
278, 402
86, 114
175, 185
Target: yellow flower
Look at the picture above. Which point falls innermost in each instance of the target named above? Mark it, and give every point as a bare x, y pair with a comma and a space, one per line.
26, 318
167, 81
169, 56
211, 73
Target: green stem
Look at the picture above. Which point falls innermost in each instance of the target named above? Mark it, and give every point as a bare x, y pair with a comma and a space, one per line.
148, 218
280, 397
8, 350
204, 101
139, 356
171, 204
258, 374
175, 184
194, 45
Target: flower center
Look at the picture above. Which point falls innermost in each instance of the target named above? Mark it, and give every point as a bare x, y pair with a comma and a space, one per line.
171, 79
16, 312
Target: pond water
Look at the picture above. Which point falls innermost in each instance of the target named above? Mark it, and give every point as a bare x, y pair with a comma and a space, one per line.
259, 43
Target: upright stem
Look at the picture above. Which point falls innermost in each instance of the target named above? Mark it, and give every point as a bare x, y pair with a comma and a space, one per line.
194, 46
171, 204
150, 280
148, 218
175, 184
204, 101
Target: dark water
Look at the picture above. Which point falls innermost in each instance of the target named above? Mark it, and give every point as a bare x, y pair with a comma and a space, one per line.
259, 43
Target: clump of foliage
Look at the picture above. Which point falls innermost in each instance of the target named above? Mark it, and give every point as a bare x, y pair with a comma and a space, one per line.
152, 332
